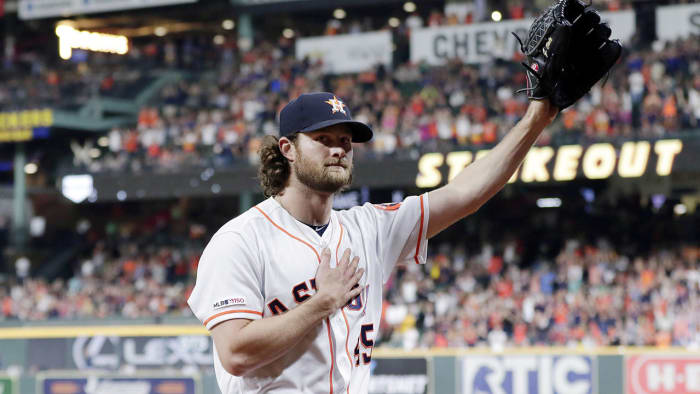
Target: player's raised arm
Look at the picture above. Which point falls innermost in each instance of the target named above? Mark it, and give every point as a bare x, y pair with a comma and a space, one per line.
478, 182
244, 345
568, 50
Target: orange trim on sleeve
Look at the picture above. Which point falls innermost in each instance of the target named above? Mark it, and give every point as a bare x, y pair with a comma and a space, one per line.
227, 312
420, 229
286, 232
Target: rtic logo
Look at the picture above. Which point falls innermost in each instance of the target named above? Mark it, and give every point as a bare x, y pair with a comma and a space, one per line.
663, 374
528, 374
229, 302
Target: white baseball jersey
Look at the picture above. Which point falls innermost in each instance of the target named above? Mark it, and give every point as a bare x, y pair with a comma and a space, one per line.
264, 262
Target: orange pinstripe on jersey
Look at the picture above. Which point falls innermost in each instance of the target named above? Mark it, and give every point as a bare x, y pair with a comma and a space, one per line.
330, 342
338, 246
347, 325
420, 230
286, 232
227, 312
347, 337
328, 322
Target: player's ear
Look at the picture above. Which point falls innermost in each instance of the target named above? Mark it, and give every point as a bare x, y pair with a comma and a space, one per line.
287, 148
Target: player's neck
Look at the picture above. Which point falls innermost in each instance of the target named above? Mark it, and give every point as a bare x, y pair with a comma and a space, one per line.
306, 205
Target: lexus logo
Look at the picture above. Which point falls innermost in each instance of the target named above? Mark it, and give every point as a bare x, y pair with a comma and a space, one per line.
111, 352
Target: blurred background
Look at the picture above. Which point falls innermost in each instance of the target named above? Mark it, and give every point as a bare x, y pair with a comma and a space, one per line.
128, 136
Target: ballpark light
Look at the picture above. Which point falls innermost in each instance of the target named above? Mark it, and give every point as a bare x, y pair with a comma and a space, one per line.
228, 24
409, 6
552, 202
496, 16
69, 38
339, 13
31, 168
680, 209
394, 22
77, 187
219, 39
288, 33
160, 31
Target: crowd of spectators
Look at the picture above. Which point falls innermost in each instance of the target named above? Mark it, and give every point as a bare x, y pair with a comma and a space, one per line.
136, 285
589, 295
219, 120
229, 99
493, 293
34, 79
134, 267
457, 13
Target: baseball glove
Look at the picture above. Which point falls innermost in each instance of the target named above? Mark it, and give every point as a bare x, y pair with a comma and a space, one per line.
568, 50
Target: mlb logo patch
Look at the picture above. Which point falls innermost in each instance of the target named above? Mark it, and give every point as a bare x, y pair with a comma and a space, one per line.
229, 302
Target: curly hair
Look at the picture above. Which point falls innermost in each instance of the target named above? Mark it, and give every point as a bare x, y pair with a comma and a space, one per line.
274, 168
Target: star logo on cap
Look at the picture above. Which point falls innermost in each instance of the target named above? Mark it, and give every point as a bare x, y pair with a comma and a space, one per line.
337, 105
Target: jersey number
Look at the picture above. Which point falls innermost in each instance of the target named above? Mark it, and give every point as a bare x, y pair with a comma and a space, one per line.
356, 303
367, 344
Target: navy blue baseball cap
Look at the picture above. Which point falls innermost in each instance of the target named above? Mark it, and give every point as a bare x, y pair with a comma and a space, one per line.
314, 111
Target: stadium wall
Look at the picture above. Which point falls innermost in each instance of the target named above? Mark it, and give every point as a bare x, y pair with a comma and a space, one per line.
642, 160
177, 359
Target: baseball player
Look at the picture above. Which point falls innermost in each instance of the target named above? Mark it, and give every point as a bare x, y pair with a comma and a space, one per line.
291, 290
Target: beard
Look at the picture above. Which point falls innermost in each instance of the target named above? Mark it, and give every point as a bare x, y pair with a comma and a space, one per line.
320, 177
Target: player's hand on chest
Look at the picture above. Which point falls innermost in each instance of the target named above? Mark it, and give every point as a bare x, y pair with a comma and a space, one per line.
291, 278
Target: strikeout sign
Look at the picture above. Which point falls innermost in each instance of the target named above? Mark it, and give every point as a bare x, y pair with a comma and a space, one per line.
597, 161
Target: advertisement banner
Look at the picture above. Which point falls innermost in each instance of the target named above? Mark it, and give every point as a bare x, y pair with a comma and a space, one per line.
114, 352
399, 376
8, 385
542, 374
662, 374
348, 53
677, 21
25, 125
141, 352
105, 384
35, 9
482, 42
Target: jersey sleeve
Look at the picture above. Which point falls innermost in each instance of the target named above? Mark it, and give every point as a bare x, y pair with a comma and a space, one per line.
402, 230
229, 282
